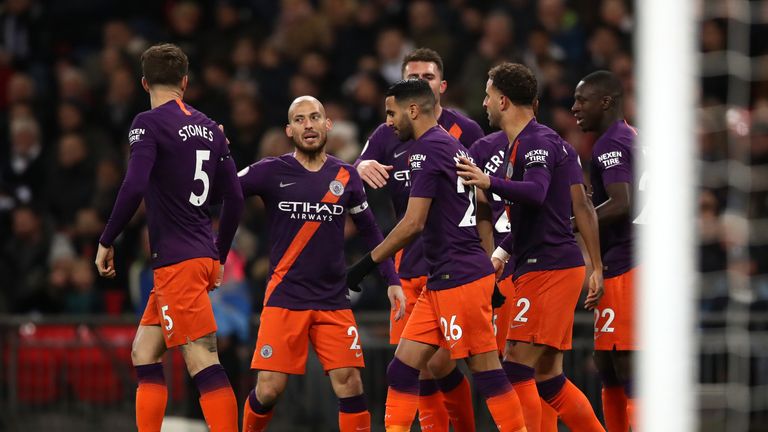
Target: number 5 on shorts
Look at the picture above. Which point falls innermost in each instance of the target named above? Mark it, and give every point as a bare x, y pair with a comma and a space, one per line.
166, 318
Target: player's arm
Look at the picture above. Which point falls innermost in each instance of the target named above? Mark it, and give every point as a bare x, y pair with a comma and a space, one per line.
140, 163
586, 222
502, 254
373, 173
618, 205
485, 221
401, 235
232, 205
616, 173
531, 190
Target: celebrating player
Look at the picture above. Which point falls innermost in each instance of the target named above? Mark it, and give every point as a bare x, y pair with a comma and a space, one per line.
542, 178
454, 312
598, 108
307, 195
384, 162
178, 158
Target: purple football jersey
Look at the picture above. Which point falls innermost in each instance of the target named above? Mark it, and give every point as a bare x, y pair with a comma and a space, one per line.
488, 153
612, 162
452, 245
183, 159
542, 237
306, 212
384, 147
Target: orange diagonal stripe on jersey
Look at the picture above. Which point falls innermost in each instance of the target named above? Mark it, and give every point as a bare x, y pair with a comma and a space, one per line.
305, 234
398, 259
455, 131
183, 108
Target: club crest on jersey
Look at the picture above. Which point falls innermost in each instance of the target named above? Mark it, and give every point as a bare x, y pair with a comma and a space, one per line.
266, 351
336, 188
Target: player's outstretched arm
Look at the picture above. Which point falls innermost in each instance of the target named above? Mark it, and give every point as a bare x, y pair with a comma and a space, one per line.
531, 190
586, 222
232, 205
373, 173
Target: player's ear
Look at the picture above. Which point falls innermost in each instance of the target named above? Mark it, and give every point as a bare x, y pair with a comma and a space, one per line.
184, 83
607, 102
328, 124
443, 86
288, 131
145, 84
413, 111
535, 107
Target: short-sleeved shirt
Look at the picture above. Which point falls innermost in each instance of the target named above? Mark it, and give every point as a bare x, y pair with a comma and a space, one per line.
384, 147
306, 213
185, 150
488, 153
452, 246
543, 236
613, 162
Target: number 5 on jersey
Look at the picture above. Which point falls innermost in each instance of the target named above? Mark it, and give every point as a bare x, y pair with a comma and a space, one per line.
200, 157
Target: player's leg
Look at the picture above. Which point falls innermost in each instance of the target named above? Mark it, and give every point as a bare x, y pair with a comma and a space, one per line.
217, 399
623, 363
500, 397
614, 398
520, 359
452, 393
560, 393
152, 393
258, 409
353, 407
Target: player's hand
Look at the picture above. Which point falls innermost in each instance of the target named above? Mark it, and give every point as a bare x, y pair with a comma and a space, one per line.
374, 173
221, 128
397, 300
497, 299
358, 271
472, 175
219, 278
596, 290
105, 261
498, 266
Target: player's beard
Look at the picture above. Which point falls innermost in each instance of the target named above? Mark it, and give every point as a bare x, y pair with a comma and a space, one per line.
404, 131
310, 150
493, 119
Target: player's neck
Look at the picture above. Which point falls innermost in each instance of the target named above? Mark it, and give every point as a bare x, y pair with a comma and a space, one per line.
311, 161
422, 124
608, 121
438, 110
514, 123
159, 95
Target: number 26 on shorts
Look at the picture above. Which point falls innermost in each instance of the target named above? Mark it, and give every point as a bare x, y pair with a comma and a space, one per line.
451, 330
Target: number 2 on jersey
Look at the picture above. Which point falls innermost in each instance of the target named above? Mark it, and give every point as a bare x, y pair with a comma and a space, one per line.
469, 218
200, 156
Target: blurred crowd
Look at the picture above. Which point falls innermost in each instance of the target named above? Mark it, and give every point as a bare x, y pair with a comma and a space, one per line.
69, 89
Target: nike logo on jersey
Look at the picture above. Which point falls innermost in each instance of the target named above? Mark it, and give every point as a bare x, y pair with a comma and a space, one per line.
397, 155
516, 325
282, 185
357, 355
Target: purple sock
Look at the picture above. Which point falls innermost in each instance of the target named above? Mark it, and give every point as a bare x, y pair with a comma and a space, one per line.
211, 379
491, 383
402, 377
256, 406
450, 381
352, 405
427, 387
609, 379
629, 389
150, 374
550, 388
517, 372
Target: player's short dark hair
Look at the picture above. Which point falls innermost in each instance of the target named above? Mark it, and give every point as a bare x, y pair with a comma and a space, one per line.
413, 90
164, 64
423, 55
516, 82
605, 83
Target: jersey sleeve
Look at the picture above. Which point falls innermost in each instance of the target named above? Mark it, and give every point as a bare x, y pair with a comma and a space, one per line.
576, 171
472, 133
614, 163
539, 153
140, 162
374, 147
358, 202
253, 178
425, 173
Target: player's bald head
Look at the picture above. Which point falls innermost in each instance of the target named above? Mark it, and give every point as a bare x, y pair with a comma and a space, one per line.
303, 100
604, 83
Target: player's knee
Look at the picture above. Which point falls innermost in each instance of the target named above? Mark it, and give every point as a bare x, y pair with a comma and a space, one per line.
440, 365
268, 391
142, 354
347, 382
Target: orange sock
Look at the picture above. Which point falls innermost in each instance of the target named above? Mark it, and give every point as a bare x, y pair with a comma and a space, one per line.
521, 377
631, 413
458, 400
501, 400
217, 399
615, 409
255, 417
433, 416
548, 417
570, 403
402, 396
150, 406
151, 397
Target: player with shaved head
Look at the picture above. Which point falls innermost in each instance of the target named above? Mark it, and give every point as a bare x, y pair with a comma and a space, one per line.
308, 195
